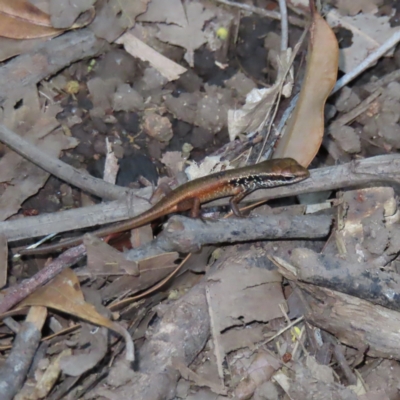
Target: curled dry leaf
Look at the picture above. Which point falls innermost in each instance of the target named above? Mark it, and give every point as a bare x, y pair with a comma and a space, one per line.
305, 128
63, 293
20, 19
259, 103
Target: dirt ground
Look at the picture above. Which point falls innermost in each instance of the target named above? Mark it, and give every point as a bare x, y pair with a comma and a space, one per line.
106, 106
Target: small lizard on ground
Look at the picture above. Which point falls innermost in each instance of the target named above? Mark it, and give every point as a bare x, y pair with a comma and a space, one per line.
237, 183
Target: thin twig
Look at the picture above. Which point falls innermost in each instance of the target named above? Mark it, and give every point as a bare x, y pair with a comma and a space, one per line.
266, 13
278, 95
358, 110
284, 26
368, 62
78, 218
345, 79
376, 169
61, 170
19, 292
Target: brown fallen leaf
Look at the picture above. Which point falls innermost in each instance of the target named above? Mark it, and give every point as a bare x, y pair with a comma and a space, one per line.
20, 19
63, 293
305, 128
34, 124
105, 260
24, 10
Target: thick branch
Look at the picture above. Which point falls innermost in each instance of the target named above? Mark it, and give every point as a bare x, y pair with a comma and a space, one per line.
368, 172
189, 235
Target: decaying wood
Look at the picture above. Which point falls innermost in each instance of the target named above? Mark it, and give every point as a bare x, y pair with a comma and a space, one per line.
359, 280
180, 334
185, 235
355, 322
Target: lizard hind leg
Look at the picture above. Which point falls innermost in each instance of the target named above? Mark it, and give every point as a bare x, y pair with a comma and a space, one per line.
233, 202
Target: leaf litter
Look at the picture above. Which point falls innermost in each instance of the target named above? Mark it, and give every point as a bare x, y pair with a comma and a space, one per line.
161, 107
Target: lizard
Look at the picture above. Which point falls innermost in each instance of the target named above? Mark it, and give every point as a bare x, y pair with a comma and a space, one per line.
236, 183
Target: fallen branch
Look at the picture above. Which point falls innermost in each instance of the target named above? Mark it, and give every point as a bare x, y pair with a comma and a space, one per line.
371, 171
60, 169
47, 59
17, 293
185, 235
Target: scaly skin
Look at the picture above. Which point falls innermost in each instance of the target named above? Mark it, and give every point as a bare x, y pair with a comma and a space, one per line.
233, 182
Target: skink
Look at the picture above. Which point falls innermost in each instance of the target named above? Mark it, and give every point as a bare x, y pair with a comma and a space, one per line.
236, 183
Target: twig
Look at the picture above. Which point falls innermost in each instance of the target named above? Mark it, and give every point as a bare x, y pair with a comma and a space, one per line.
13, 371
356, 173
344, 365
284, 25
365, 172
61, 170
278, 95
184, 234
78, 218
19, 292
344, 80
359, 109
47, 59
266, 13
368, 62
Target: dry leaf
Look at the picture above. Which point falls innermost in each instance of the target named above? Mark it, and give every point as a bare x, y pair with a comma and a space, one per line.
168, 12
105, 260
253, 115
209, 165
208, 110
369, 32
33, 124
259, 102
355, 6
19, 19
49, 378
190, 37
137, 48
65, 13
174, 161
115, 16
305, 128
25, 11
63, 293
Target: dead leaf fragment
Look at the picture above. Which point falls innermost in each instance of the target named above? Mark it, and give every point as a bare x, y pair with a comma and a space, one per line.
355, 6
259, 105
63, 293
369, 32
105, 260
139, 49
168, 12
25, 11
115, 16
190, 37
50, 376
20, 19
305, 128
33, 124
79, 11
